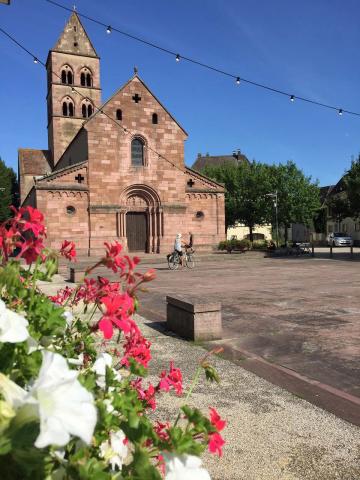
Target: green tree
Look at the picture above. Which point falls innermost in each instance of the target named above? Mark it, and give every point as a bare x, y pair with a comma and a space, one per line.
246, 185
352, 186
8, 190
298, 197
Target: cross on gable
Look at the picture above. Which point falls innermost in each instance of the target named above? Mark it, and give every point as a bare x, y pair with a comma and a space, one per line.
79, 178
191, 182
136, 98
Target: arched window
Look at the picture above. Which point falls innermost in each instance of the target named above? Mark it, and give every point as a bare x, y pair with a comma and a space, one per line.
68, 109
154, 118
85, 77
87, 109
67, 77
118, 114
137, 152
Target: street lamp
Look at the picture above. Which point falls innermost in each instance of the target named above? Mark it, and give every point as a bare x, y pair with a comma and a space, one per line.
275, 197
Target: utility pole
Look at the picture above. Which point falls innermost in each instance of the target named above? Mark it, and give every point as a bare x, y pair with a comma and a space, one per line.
275, 197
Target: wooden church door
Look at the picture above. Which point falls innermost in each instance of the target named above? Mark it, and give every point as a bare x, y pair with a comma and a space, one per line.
136, 231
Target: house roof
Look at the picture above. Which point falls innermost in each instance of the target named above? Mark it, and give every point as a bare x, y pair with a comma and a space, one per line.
135, 76
207, 160
34, 162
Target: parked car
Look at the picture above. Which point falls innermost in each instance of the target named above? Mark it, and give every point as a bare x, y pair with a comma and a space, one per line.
339, 239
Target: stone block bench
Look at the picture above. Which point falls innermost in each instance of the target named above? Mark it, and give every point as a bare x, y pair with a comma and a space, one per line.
194, 318
76, 273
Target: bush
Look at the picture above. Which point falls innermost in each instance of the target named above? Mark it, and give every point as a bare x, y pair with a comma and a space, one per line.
234, 244
260, 245
68, 411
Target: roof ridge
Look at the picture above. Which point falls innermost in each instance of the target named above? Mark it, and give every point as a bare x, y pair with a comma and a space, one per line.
54, 173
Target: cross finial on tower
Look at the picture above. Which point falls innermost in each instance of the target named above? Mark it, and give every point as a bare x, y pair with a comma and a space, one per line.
74, 8
135, 70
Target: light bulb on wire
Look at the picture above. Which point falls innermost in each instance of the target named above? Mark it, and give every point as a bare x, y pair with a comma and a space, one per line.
292, 98
177, 57
36, 60
109, 30
340, 112
237, 80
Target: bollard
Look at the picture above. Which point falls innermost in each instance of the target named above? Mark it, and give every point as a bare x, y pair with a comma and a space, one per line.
331, 251
312, 250
351, 250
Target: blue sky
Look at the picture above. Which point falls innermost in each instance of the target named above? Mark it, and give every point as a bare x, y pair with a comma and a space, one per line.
310, 48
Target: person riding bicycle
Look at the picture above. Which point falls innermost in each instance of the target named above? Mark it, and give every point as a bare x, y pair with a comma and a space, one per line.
189, 246
178, 247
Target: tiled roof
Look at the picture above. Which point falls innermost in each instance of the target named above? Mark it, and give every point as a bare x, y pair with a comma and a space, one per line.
34, 162
203, 161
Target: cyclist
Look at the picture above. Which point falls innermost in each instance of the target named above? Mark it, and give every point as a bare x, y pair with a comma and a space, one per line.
178, 247
189, 246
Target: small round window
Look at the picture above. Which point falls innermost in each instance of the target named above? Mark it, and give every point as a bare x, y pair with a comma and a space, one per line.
70, 210
199, 215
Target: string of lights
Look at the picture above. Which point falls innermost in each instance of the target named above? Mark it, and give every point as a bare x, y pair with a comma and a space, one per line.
179, 57
97, 108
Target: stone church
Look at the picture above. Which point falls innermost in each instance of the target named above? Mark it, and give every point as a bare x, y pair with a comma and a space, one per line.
114, 170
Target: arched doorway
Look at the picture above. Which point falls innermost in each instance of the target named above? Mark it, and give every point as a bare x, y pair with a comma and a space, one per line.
141, 218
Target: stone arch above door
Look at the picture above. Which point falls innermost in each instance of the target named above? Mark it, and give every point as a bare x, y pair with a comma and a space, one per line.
140, 195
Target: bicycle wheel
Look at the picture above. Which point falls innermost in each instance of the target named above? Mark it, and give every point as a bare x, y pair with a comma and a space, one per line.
190, 260
173, 261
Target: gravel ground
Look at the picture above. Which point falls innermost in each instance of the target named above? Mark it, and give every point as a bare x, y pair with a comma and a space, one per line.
271, 434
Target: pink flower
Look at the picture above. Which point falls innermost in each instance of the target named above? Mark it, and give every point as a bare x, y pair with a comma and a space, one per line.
31, 249
113, 259
137, 347
117, 313
68, 251
148, 396
173, 379
216, 442
62, 295
160, 429
216, 420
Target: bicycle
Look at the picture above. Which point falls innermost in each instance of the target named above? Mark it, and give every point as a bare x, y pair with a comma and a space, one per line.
174, 260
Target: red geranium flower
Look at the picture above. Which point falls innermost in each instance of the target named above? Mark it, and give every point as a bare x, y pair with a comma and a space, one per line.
68, 251
216, 442
172, 379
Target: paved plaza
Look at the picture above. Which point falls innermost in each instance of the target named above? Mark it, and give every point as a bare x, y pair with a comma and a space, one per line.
300, 313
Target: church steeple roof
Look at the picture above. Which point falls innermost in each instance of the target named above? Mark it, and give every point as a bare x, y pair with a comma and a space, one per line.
74, 39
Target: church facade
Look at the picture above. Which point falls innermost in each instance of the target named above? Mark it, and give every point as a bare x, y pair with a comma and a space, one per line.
114, 170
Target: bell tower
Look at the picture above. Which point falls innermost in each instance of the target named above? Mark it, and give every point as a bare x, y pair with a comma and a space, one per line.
72, 66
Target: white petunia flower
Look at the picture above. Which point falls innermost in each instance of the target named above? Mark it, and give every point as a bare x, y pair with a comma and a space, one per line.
69, 318
63, 405
184, 467
103, 360
33, 345
12, 326
114, 451
109, 406
77, 361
